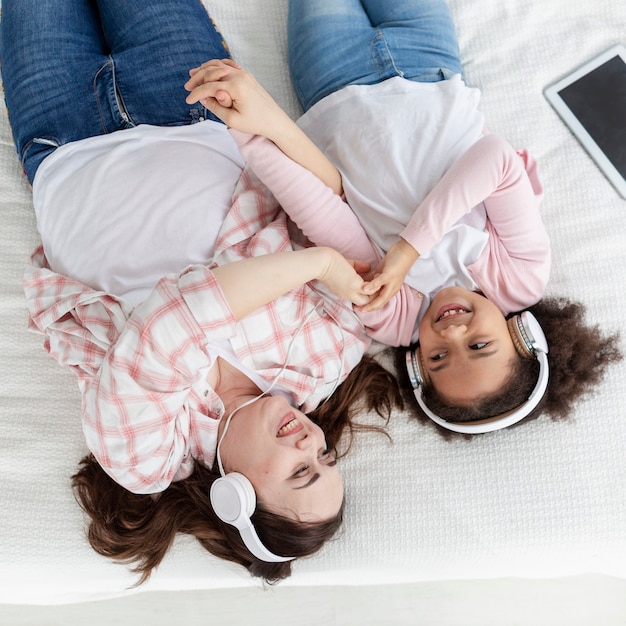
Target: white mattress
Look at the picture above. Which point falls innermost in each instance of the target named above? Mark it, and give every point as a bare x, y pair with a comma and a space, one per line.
545, 500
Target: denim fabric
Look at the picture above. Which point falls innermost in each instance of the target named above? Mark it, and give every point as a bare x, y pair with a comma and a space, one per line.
334, 43
79, 68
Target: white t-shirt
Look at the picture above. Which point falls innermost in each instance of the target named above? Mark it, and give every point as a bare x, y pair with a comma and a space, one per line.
119, 211
392, 143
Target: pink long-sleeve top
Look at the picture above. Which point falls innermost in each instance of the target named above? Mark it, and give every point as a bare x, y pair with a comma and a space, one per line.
513, 268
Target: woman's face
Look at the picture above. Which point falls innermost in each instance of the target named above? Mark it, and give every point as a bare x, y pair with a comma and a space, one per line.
283, 454
465, 345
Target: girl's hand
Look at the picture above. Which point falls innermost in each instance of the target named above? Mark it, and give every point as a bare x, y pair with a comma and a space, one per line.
235, 96
388, 277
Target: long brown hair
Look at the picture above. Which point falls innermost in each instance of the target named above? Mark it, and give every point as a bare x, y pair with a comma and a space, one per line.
579, 355
139, 529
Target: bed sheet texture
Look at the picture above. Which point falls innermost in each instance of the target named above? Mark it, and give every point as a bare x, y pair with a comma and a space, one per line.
545, 500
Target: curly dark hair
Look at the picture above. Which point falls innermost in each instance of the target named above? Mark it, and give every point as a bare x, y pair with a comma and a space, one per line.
579, 356
138, 529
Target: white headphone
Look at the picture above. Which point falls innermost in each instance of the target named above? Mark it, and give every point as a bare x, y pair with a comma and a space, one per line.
233, 501
529, 341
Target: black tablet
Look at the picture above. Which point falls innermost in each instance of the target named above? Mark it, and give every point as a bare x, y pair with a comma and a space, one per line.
592, 102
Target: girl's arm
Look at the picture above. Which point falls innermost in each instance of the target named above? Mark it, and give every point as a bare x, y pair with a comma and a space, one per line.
321, 215
492, 172
290, 165
236, 97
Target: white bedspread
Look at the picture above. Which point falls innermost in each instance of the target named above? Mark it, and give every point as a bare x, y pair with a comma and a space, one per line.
545, 500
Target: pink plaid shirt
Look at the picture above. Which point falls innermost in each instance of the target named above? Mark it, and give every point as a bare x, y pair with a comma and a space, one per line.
147, 408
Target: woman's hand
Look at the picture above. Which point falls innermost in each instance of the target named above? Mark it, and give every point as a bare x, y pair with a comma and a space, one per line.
344, 277
253, 282
235, 96
387, 278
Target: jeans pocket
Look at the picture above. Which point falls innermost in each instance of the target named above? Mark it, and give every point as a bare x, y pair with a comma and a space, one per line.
431, 75
33, 152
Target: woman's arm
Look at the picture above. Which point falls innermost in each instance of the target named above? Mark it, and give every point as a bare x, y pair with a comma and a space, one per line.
251, 283
236, 97
141, 407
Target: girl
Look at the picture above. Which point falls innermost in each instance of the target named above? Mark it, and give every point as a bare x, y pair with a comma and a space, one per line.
197, 351
453, 211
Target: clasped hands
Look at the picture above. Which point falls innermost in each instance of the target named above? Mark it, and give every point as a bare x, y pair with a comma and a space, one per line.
235, 96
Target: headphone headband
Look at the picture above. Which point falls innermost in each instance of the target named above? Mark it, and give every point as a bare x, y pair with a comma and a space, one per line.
530, 341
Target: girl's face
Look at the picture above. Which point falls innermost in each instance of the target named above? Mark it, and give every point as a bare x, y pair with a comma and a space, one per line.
283, 454
465, 345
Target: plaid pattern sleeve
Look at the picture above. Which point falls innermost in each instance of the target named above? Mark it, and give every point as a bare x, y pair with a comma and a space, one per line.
147, 409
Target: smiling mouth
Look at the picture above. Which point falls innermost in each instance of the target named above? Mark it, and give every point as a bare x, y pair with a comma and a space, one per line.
452, 311
290, 427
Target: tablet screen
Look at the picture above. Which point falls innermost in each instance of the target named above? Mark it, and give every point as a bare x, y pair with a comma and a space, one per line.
598, 100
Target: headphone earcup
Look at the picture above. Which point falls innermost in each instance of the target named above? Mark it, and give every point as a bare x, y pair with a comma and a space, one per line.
422, 371
233, 499
527, 335
516, 338
418, 374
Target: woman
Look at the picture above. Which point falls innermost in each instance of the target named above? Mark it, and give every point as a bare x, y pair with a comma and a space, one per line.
177, 331
452, 209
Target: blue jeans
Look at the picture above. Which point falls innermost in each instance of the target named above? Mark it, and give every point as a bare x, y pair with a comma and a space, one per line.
79, 68
335, 43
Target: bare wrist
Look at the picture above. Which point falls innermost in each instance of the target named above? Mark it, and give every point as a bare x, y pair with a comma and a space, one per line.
407, 250
324, 260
